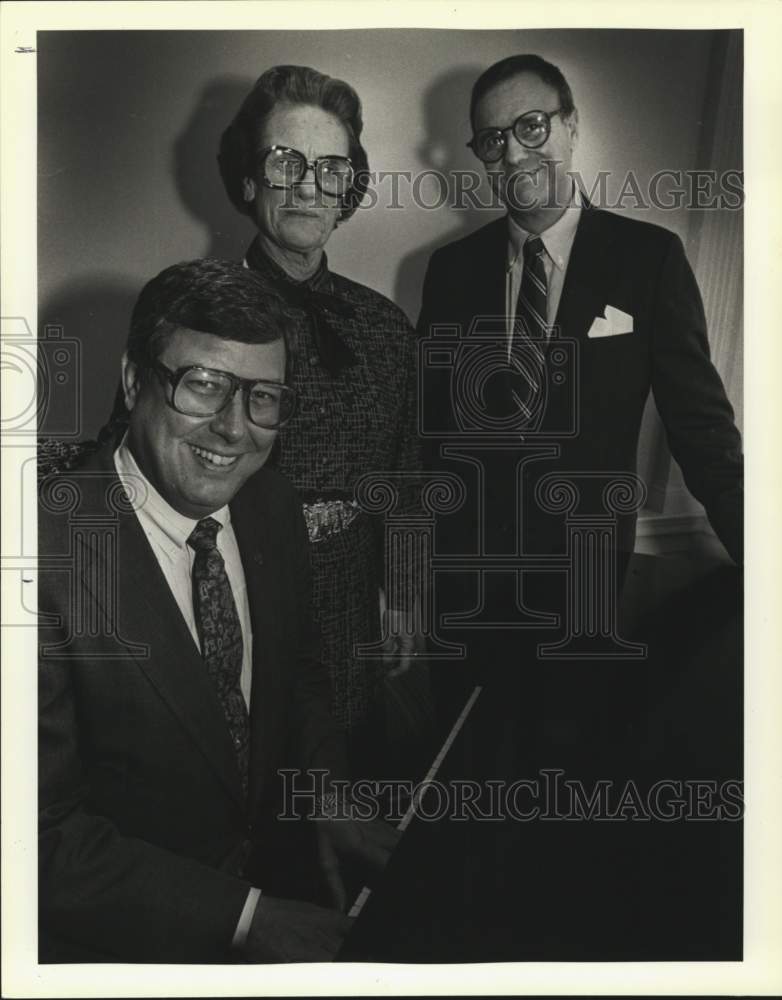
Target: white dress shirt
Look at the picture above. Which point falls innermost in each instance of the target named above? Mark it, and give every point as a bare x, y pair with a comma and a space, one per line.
167, 532
557, 242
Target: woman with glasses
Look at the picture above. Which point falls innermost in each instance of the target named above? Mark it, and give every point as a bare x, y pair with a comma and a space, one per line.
292, 161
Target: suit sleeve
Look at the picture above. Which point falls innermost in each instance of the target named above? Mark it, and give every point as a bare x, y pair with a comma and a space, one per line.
692, 403
108, 895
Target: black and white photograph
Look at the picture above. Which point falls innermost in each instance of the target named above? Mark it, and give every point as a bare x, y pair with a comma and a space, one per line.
374, 502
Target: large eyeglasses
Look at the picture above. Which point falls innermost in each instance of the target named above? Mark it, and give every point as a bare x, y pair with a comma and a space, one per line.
204, 392
284, 167
531, 129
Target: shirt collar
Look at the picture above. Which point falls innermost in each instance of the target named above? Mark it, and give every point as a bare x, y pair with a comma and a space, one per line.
173, 528
557, 239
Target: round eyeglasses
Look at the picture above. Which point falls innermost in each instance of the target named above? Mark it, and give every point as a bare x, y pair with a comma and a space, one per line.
284, 167
531, 129
204, 392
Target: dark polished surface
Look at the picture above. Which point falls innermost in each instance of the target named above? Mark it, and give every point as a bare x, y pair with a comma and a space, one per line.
550, 889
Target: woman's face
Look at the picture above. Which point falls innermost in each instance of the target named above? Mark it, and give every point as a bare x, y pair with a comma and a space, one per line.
302, 218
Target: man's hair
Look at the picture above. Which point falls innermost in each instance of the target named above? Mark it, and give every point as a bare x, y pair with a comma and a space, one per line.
240, 143
505, 69
220, 297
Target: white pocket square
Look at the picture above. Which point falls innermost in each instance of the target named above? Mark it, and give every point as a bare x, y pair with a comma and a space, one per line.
613, 324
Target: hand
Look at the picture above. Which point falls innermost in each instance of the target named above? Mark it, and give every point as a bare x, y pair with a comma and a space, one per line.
403, 644
366, 843
287, 930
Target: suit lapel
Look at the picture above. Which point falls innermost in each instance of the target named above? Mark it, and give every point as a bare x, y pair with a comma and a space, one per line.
147, 612
590, 277
589, 281
591, 273
486, 280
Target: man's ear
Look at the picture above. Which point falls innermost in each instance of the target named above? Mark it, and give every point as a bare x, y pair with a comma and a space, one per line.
249, 190
131, 381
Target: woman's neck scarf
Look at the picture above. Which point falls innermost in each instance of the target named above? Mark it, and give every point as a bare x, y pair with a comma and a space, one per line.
320, 306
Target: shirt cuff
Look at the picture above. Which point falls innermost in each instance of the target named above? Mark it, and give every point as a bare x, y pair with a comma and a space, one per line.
245, 919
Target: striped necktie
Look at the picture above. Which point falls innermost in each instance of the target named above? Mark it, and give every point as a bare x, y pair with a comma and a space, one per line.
220, 634
530, 330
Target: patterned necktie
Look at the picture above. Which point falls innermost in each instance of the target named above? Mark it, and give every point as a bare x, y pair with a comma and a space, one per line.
220, 634
530, 330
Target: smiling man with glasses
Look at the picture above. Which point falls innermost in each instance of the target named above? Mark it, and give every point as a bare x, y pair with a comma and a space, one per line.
546, 330
179, 663
565, 316
528, 159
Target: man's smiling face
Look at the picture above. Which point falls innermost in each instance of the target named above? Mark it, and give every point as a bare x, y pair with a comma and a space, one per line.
528, 180
198, 464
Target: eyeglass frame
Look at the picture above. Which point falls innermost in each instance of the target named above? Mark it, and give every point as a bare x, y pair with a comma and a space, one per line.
174, 378
264, 153
548, 115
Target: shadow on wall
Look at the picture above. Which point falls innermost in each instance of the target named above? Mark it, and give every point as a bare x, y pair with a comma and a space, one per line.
196, 172
447, 129
91, 313
95, 310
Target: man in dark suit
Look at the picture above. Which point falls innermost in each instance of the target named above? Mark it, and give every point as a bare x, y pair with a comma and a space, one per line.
178, 668
565, 316
542, 335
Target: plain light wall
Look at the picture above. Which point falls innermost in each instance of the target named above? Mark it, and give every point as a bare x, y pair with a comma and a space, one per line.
129, 124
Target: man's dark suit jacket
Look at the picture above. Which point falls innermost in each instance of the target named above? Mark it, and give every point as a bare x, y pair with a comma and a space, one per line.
144, 835
642, 270
592, 889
